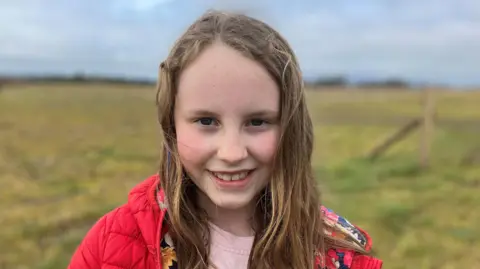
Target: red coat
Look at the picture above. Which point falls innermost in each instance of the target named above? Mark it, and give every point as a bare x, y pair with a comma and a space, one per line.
132, 236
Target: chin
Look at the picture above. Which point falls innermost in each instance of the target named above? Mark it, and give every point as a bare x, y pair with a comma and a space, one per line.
232, 204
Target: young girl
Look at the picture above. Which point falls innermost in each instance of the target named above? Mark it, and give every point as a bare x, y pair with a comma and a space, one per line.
235, 187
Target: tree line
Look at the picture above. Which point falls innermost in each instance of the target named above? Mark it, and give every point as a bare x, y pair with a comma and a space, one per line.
321, 82
343, 82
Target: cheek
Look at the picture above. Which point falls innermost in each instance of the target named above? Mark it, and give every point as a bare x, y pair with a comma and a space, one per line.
264, 146
191, 146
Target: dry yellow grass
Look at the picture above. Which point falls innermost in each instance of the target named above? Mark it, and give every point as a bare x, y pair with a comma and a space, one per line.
69, 153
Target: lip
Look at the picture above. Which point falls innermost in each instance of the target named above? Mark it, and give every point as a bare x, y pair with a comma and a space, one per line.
232, 184
231, 172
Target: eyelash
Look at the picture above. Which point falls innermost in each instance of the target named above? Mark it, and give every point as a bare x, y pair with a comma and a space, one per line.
212, 119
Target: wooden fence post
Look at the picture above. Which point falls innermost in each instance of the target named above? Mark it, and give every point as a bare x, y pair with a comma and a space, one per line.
428, 126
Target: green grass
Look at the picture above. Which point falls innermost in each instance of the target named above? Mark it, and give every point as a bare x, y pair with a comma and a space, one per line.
69, 153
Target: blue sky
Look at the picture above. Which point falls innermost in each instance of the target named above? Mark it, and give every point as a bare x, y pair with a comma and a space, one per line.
425, 41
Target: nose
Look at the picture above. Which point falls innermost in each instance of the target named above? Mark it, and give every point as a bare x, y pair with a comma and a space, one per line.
232, 149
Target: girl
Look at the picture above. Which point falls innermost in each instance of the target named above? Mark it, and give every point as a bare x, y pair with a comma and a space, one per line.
235, 187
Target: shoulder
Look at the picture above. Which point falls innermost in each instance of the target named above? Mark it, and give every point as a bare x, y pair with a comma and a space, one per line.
92, 249
131, 224
139, 214
353, 247
140, 206
119, 220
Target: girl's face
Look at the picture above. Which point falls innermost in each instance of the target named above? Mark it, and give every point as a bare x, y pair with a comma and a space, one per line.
226, 119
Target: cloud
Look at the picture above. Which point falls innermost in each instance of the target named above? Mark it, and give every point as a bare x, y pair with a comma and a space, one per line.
92, 36
421, 40
433, 44
141, 5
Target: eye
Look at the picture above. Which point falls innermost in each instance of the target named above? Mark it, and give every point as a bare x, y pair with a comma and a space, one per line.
257, 122
206, 121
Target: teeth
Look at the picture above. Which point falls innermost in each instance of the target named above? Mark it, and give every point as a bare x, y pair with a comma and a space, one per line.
229, 177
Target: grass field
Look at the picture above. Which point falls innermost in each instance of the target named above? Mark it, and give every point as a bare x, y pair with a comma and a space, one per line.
70, 153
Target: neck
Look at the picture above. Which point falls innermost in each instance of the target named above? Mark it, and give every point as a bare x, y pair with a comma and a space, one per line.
237, 221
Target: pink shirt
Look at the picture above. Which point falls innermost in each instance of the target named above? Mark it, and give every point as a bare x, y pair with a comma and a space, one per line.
228, 251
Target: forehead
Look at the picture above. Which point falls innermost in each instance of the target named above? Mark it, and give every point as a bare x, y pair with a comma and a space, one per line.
222, 78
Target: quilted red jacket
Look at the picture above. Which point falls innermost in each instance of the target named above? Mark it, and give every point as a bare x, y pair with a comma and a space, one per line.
133, 236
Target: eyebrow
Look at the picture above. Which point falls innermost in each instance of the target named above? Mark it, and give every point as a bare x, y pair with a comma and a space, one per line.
264, 113
202, 112
259, 113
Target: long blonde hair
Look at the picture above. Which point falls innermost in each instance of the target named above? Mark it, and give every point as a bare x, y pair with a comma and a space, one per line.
289, 230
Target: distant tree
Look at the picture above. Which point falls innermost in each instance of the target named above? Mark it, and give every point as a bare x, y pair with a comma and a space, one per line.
3, 82
79, 76
392, 83
396, 83
334, 81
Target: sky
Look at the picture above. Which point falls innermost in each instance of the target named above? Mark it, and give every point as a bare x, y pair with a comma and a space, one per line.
427, 41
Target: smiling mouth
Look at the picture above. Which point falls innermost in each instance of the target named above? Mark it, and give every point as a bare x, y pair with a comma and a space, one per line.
232, 176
